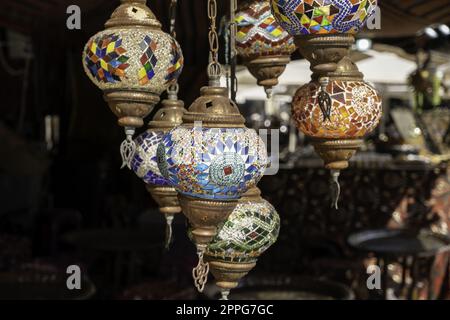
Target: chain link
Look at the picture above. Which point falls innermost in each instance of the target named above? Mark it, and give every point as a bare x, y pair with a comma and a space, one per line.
214, 67
233, 52
233, 27
173, 89
173, 17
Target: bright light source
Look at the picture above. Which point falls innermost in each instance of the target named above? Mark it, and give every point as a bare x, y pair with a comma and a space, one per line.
444, 29
363, 44
256, 117
283, 129
431, 33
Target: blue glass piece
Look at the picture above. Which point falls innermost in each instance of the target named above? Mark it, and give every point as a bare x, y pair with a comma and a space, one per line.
202, 167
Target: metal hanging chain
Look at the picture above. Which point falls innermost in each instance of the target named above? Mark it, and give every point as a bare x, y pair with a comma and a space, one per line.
224, 31
173, 17
173, 88
214, 67
232, 50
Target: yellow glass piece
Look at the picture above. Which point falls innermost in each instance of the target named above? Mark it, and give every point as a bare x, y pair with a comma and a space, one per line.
325, 10
276, 32
142, 73
362, 4
305, 19
314, 23
362, 16
343, 112
240, 35
239, 18
268, 20
285, 19
93, 47
110, 47
104, 65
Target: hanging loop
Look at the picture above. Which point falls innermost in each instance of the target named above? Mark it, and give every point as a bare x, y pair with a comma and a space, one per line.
213, 41
214, 68
212, 9
173, 17
233, 52
172, 91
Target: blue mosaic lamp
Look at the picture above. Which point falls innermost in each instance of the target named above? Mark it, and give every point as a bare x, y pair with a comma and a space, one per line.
132, 61
249, 231
144, 162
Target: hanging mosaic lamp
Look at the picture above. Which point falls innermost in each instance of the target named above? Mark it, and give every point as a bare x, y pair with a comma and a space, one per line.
261, 42
211, 165
337, 108
212, 158
132, 61
248, 232
144, 162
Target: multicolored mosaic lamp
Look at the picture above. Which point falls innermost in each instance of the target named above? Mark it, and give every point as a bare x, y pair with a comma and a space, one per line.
337, 108
144, 162
248, 232
133, 61
261, 42
212, 158
322, 17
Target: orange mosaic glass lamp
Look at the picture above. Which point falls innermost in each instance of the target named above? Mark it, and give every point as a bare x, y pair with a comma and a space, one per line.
355, 110
337, 108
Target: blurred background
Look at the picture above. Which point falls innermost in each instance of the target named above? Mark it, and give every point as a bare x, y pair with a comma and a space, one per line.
65, 201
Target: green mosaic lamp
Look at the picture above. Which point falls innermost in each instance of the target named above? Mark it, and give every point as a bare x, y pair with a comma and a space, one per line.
132, 61
248, 232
